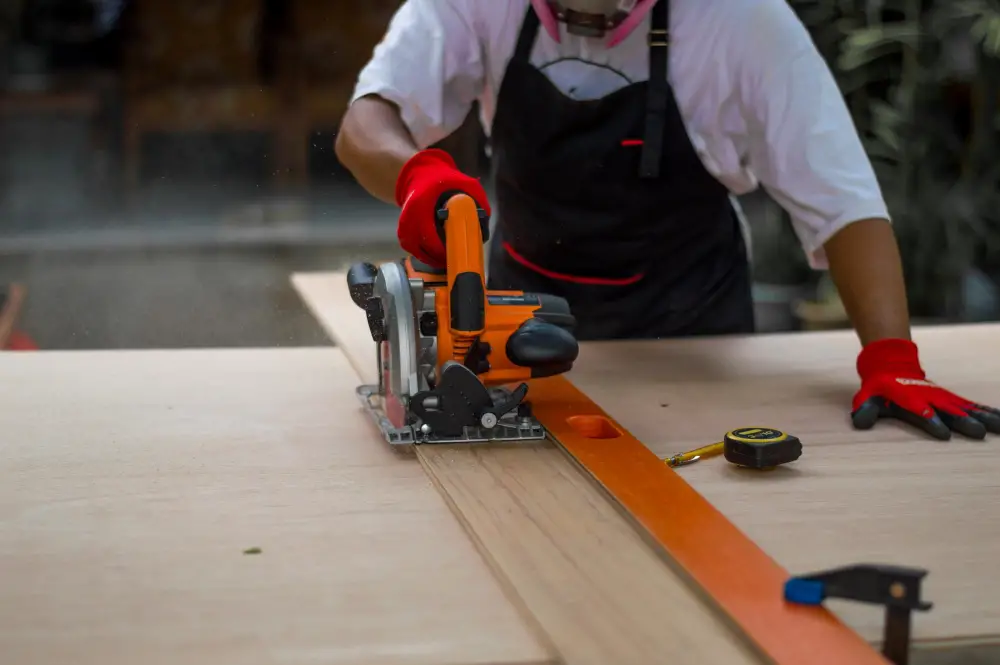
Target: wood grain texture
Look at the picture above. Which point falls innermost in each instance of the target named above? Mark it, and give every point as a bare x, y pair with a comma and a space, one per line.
599, 592
134, 482
883, 495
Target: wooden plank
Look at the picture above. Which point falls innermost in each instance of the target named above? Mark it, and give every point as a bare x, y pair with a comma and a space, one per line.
593, 585
884, 495
133, 483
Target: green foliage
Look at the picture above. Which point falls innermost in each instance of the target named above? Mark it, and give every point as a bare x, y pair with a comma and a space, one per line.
922, 79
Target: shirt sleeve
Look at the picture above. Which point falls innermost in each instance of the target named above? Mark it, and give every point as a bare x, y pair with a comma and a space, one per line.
802, 143
430, 64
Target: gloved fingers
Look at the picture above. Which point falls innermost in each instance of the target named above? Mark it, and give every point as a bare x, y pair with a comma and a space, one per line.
916, 413
961, 415
472, 189
469, 186
926, 419
940, 415
867, 413
964, 424
987, 415
950, 404
940, 422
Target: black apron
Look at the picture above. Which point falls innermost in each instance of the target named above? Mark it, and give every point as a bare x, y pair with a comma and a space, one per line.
607, 204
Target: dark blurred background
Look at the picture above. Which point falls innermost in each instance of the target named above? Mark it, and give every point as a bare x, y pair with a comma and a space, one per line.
166, 164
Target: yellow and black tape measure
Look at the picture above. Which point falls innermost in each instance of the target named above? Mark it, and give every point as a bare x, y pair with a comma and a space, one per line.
752, 447
760, 447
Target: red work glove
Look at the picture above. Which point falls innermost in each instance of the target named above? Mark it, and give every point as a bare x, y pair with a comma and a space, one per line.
426, 182
893, 385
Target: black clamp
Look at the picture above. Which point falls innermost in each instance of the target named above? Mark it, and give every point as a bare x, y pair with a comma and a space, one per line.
895, 587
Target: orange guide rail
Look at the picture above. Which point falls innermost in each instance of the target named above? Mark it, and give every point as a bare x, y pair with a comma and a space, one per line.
740, 577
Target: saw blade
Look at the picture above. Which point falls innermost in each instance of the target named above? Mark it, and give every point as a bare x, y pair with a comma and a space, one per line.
398, 353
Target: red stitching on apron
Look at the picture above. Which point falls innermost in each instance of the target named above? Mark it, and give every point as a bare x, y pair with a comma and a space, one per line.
600, 281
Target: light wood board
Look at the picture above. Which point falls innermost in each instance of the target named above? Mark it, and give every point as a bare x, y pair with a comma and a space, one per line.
133, 482
599, 592
886, 495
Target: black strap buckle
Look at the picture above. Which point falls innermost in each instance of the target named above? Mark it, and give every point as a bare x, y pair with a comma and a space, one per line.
658, 37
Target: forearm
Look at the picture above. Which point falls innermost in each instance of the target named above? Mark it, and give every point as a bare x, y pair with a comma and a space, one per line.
374, 144
867, 270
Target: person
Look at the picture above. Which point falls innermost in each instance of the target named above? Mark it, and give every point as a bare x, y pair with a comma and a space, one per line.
620, 131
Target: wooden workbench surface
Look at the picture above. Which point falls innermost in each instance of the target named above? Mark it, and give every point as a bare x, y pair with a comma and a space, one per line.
134, 482
887, 495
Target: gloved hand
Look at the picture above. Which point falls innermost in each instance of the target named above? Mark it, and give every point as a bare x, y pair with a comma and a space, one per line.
427, 180
893, 385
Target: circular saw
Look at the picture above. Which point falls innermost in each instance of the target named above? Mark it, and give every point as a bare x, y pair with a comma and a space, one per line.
454, 359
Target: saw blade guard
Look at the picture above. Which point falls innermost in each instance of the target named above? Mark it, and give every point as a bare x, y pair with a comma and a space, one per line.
399, 349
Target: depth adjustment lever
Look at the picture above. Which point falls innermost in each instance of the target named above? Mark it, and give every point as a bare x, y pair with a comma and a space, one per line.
498, 409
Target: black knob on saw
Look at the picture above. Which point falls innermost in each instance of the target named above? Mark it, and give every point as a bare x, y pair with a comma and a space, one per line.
361, 282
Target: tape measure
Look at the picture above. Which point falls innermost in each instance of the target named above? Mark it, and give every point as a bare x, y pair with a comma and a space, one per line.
751, 447
760, 447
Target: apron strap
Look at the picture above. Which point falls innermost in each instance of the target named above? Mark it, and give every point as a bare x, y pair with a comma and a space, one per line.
526, 37
657, 91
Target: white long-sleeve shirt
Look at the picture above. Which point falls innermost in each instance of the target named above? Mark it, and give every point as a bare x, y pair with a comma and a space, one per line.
760, 105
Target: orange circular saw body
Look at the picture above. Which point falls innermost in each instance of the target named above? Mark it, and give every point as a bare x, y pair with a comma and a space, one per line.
475, 326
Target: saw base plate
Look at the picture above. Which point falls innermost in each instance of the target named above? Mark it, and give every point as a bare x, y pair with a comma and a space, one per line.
511, 428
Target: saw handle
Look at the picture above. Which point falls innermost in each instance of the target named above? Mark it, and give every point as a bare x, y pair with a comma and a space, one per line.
463, 222
442, 214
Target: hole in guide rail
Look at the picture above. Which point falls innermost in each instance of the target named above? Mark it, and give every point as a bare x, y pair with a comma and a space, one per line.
593, 427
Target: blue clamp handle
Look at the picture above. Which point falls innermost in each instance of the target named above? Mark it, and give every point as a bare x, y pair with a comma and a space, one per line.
895, 587
805, 591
